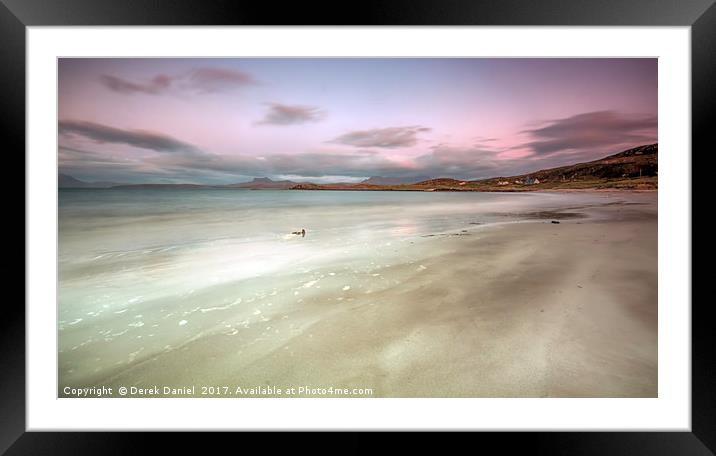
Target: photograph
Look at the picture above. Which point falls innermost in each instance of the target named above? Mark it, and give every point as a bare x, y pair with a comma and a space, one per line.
421, 217
363, 227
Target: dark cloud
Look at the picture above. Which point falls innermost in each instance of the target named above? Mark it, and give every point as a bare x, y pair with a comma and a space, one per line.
305, 164
137, 138
202, 80
459, 162
592, 130
280, 114
165, 157
388, 138
218, 79
156, 85
555, 143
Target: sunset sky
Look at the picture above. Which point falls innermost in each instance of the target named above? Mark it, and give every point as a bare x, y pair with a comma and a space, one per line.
221, 121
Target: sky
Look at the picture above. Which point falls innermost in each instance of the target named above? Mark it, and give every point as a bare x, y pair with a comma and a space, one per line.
222, 121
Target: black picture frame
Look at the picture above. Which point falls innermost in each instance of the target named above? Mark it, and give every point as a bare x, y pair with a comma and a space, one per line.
16, 15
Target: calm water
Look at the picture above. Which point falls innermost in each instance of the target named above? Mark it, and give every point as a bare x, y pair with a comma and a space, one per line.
145, 271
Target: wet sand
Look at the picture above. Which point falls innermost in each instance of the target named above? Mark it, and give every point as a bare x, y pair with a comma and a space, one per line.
529, 309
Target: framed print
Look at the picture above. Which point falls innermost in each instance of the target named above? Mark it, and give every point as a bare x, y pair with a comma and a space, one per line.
435, 217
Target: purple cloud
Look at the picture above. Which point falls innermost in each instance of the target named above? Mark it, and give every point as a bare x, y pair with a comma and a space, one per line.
388, 138
588, 131
176, 159
156, 85
281, 114
558, 142
201, 80
138, 138
218, 79
459, 162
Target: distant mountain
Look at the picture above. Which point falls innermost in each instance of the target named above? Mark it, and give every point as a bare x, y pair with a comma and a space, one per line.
262, 183
380, 180
67, 181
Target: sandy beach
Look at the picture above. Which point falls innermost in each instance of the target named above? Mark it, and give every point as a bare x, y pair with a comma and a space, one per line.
525, 309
